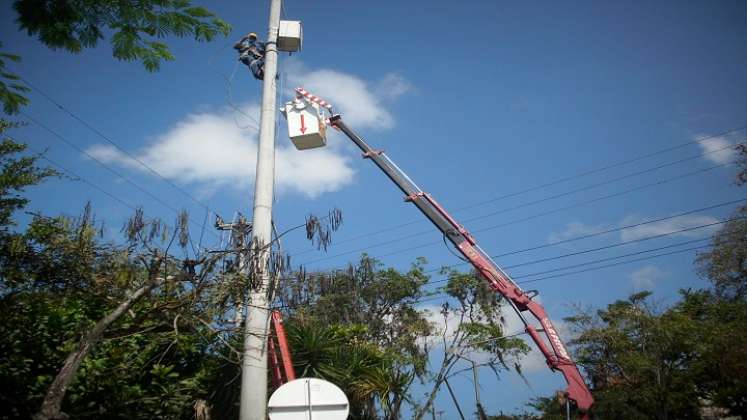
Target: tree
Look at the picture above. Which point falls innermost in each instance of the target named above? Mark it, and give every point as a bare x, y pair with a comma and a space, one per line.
66, 295
374, 307
474, 324
342, 355
720, 366
136, 26
11, 92
657, 364
639, 360
16, 174
725, 264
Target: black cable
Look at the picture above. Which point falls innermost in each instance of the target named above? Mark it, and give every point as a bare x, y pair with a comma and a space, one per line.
603, 259
568, 267
600, 184
107, 167
80, 178
548, 184
438, 296
615, 264
516, 221
446, 244
647, 238
115, 144
443, 295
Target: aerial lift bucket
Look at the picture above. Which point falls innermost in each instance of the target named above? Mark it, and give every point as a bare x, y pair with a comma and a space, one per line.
306, 126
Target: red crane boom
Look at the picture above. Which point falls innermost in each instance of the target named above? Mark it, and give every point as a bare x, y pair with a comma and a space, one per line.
546, 337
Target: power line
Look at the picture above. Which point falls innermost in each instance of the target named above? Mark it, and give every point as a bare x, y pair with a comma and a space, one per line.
80, 178
77, 177
107, 167
541, 260
611, 166
617, 229
610, 246
116, 145
600, 184
615, 264
558, 181
516, 221
584, 264
601, 248
442, 295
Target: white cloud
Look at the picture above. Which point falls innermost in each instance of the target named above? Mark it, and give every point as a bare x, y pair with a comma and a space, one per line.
668, 226
719, 150
576, 229
392, 86
645, 278
211, 149
361, 103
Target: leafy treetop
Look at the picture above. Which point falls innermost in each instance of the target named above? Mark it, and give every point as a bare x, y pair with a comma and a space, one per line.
137, 25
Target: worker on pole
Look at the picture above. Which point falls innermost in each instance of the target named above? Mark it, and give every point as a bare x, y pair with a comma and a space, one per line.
252, 54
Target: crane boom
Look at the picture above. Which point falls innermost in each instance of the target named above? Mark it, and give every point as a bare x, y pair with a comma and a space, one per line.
551, 345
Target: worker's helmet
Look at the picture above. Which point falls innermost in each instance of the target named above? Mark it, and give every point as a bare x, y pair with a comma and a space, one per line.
251, 35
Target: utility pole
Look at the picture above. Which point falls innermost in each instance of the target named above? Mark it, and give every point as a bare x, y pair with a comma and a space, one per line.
254, 363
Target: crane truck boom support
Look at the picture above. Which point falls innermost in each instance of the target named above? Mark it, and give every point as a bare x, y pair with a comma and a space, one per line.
551, 345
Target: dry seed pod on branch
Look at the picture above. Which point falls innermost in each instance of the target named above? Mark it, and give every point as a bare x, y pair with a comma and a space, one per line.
319, 231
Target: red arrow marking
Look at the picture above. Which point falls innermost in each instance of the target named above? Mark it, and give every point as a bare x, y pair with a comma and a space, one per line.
303, 127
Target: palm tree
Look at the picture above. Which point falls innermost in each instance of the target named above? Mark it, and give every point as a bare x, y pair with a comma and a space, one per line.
362, 370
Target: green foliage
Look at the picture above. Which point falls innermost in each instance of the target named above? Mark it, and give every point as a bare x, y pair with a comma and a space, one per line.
360, 328
482, 327
11, 92
16, 174
725, 264
382, 301
742, 161
638, 360
137, 25
366, 372
649, 364
148, 374
57, 279
720, 368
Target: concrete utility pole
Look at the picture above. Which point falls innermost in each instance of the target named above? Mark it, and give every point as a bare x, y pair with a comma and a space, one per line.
254, 363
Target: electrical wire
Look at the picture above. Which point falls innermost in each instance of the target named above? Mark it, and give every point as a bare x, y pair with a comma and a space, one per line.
115, 144
515, 221
559, 181
442, 295
107, 167
229, 100
78, 177
601, 248
597, 261
568, 267
614, 264
611, 181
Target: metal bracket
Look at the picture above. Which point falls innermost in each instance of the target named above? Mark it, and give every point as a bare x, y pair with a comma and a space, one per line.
367, 155
412, 197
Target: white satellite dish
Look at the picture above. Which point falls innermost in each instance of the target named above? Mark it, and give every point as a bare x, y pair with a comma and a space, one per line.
308, 399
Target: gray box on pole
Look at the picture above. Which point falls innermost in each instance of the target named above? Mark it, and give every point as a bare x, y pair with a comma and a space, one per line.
290, 36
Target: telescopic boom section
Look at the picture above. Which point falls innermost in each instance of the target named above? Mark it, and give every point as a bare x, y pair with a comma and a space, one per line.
551, 345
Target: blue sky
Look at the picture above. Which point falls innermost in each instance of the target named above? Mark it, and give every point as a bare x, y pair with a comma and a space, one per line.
475, 100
